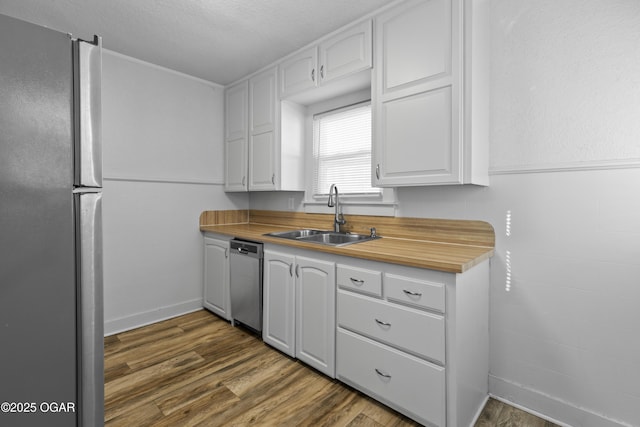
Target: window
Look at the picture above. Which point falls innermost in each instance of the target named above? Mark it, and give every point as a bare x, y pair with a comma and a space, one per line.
342, 152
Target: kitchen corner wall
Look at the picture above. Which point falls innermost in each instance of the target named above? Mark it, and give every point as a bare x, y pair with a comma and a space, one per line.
564, 201
163, 166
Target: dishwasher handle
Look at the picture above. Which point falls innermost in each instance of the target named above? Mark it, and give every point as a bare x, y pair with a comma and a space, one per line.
246, 248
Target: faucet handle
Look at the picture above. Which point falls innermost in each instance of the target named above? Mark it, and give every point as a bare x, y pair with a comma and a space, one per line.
373, 232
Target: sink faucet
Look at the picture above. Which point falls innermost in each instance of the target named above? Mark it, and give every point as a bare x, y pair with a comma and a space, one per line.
339, 218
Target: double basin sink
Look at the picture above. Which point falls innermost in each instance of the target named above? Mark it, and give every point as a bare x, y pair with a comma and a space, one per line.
330, 238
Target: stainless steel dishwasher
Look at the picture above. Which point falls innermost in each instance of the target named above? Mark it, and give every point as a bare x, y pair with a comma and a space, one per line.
245, 275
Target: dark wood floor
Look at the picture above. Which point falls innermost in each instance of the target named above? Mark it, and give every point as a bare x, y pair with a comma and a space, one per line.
198, 370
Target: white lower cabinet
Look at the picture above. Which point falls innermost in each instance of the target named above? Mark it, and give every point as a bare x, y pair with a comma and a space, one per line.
216, 276
415, 339
406, 383
279, 307
410, 330
315, 313
299, 307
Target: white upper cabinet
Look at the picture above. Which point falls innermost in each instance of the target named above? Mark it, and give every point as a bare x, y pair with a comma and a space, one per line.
429, 90
430, 94
343, 54
298, 73
346, 53
236, 137
263, 137
263, 129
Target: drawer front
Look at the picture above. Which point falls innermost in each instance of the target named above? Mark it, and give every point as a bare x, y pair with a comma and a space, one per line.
408, 329
359, 280
415, 292
404, 382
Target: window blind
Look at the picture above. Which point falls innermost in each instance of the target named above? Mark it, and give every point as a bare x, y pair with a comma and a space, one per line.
342, 151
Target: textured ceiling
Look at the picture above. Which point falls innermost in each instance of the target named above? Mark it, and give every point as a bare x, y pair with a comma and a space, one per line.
216, 40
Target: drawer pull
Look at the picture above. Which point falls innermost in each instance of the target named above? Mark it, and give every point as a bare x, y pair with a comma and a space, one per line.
381, 323
412, 294
382, 374
356, 282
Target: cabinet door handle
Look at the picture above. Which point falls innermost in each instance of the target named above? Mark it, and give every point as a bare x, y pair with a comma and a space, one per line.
356, 282
291, 269
297, 270
412, 294
226, 253
378, 171
382, 374
322, 71
244, 179
381, 323
313, 75
273, 179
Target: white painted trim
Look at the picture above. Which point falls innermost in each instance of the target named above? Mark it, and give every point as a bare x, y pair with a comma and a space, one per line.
168, 70
198, 181
554, 408
126, 323
566, 167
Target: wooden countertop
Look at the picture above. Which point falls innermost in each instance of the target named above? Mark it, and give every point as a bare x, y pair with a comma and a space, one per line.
449, 256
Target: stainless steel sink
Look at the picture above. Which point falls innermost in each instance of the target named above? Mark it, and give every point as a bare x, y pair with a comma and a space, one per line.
336, 239
296, 234
330, 238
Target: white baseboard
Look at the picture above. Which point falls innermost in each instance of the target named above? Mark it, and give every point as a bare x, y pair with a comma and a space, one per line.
136, 320
548, 407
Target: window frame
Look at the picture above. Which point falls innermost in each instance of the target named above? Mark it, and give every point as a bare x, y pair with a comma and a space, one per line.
383, 204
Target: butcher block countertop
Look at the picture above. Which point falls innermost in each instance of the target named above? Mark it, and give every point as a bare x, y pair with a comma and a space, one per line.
445, 245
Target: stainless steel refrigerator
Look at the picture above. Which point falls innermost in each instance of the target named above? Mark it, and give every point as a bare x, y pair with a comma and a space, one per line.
51, 316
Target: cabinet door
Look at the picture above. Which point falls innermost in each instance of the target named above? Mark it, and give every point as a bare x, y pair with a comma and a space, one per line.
298, 73
315, 314
346, 53
262, 102
262, 174
407, 383
263, 131
216, 277
416, 112
235, 165
278, 328
236, 137
236, 111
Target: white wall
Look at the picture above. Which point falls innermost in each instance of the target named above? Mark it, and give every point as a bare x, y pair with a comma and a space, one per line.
163, 166
564, 201
566, 95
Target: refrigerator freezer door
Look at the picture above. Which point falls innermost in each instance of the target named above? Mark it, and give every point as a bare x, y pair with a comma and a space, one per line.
87, 113
37, 255
90, 311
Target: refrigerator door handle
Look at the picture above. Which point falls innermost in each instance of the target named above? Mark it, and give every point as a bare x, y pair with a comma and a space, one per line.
87, 69
90, 315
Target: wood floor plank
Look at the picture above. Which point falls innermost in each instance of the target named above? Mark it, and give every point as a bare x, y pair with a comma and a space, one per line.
159, 349
363, 421
123, 393
201, 411
144, 415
